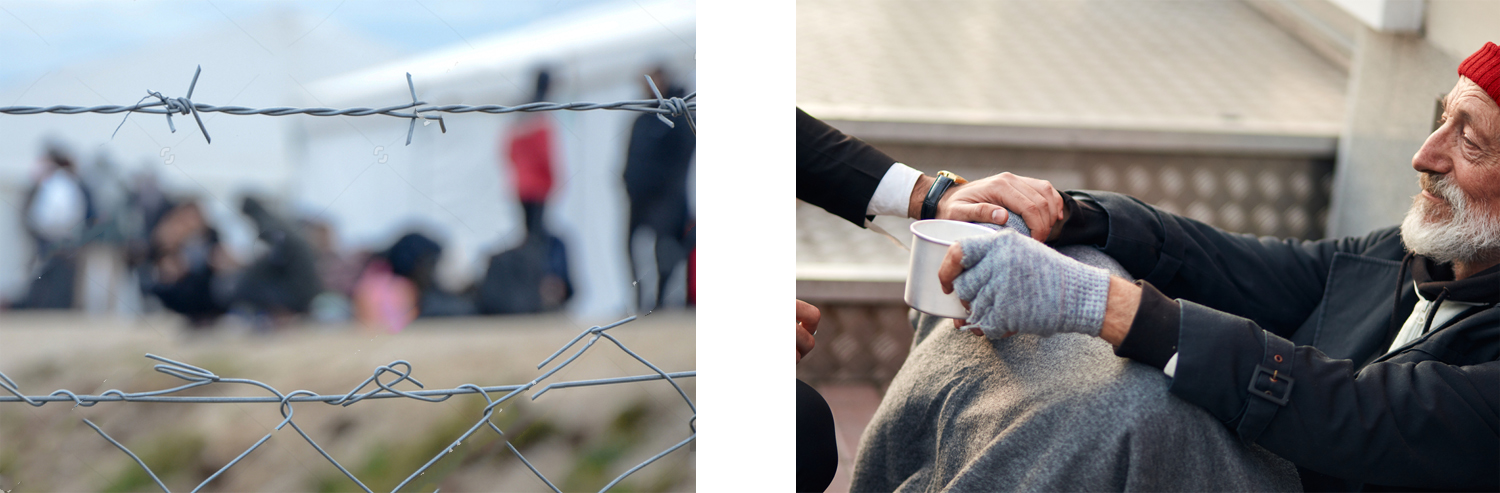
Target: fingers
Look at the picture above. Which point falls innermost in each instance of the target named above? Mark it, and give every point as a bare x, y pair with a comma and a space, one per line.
805, 341
1033, 209
1038, 203
977, 213
1053, 198
807, 325
959, 324
952, 266
1055, 205
808, 316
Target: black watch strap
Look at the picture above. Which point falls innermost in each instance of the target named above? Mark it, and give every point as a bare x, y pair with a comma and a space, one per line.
939, 187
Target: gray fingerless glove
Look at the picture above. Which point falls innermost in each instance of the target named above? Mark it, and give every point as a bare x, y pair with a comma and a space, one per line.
1016, 284
1015, 222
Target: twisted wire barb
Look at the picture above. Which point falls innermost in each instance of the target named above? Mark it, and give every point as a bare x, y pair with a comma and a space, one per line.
399, 370
663, 107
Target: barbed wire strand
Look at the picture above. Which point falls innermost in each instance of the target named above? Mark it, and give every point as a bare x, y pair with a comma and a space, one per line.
663, 107
197, 377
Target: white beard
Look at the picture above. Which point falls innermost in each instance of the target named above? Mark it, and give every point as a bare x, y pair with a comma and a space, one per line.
1469, 235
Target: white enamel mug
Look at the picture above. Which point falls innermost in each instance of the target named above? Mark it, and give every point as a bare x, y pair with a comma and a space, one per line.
929, 244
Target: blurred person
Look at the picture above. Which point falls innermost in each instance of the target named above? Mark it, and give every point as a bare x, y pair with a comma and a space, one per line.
415, 257
533, 276
109, 194
145, 206
530, 278
337, 270
1372, 363
186, 262
281, 282
530, 152
656, 171
103, 264
382, 300
145, 199
56, 212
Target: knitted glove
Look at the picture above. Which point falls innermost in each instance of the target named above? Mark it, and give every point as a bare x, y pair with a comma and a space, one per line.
1015, 222
1016, 284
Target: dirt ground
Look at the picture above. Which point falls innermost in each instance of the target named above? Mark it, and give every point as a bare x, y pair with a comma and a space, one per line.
580, 438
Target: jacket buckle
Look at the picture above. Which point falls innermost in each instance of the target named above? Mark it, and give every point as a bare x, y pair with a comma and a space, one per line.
1271, 385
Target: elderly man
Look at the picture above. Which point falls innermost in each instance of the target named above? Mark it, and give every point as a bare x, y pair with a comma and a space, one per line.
1370, 362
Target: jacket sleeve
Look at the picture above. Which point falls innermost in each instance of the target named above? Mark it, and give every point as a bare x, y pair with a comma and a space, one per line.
1425, 424
837, 172
1274, 282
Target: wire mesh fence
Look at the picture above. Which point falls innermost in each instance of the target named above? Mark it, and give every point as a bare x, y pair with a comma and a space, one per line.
385, 382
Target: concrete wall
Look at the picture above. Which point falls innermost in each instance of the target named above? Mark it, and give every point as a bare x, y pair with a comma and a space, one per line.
1393, 87
1458, 27
1395, 81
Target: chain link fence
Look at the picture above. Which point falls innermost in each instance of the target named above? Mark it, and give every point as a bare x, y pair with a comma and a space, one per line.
391, 381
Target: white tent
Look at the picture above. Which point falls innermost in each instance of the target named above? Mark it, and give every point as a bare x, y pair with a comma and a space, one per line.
359, 174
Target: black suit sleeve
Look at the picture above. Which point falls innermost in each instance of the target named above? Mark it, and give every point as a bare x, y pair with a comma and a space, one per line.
837, 172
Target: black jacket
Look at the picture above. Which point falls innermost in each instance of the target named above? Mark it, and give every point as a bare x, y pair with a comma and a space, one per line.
1424, 416
837, 172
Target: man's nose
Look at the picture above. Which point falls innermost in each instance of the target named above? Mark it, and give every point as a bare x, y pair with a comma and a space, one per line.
1434, 155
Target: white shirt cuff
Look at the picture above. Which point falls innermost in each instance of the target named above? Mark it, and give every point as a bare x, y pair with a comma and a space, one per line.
893, 194
1171, 368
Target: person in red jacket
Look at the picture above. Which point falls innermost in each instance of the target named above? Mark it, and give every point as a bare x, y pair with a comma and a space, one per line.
533, 276
530, 154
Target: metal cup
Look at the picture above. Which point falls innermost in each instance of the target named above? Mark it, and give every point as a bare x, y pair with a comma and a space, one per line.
930, 241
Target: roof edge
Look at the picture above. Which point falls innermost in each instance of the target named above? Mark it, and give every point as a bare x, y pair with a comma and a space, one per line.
1082, 137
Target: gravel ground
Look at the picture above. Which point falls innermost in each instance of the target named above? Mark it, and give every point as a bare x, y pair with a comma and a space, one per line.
580, 438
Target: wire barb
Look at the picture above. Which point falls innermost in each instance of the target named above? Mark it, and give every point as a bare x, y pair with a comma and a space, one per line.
674, 106
402, 372
663, 107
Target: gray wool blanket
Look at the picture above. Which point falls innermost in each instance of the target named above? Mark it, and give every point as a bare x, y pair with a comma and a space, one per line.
1059, 413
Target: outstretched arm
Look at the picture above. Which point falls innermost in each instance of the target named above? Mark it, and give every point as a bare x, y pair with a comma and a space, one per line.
853, 180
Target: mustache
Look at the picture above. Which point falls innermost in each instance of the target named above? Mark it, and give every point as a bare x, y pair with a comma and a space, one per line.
1442, 187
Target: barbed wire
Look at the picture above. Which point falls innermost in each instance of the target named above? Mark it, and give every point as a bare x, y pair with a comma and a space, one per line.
198, 377
663, 107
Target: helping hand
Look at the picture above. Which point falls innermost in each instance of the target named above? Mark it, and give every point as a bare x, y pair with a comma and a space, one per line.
986, 201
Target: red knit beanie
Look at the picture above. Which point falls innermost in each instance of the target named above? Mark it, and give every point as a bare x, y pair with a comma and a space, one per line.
1483, 67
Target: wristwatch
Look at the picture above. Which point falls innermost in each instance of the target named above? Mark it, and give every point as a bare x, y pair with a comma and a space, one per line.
944, 180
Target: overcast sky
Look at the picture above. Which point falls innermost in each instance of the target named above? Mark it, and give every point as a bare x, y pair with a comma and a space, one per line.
40, 36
